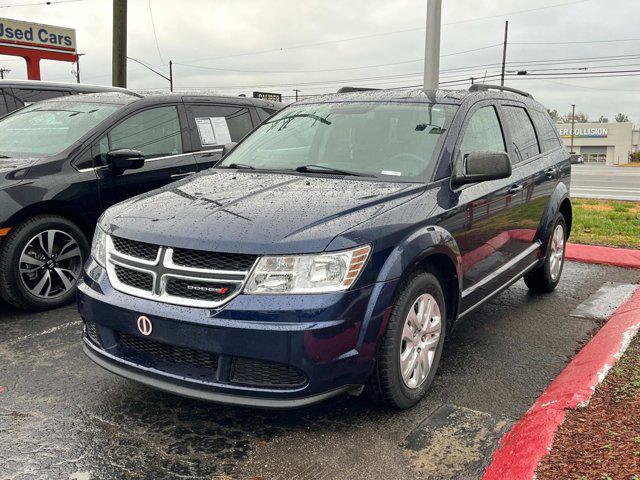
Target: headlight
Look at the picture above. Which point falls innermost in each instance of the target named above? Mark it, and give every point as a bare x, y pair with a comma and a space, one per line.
324, 272
99, 246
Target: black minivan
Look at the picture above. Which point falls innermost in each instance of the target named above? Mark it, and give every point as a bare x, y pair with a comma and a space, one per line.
15, 94
63, 161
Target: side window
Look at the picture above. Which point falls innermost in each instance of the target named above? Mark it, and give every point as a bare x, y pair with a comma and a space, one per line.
265, 113
522, 132
483, 132
99, 150
547, 132
217, 125
156, 132
27, 96
3, 104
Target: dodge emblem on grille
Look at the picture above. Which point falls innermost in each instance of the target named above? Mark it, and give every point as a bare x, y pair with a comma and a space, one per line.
144, 325
220, 290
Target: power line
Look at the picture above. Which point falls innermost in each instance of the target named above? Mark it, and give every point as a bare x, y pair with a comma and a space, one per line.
578, 42
155, 35
52, 2
205, 67
392, 32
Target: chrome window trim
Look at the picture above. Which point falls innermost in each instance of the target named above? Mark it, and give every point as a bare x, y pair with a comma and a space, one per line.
103, 167
164, 261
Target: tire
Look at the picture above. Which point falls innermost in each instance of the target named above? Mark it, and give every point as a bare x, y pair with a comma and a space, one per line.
387, 383
545, 278
39, 283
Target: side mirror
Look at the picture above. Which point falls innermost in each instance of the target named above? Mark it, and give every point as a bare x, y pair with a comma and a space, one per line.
480, 167
226, 149
124, 159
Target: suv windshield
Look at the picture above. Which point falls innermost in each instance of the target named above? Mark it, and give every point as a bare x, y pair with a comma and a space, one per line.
44, 129
385, 140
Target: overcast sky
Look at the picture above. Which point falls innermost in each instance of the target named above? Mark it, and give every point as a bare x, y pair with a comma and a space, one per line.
261, 38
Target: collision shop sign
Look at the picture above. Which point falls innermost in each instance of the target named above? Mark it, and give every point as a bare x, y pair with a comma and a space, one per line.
588, 132
17, 33
274, 97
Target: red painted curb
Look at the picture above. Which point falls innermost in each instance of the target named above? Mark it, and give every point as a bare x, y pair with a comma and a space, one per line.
617, 257
530, 439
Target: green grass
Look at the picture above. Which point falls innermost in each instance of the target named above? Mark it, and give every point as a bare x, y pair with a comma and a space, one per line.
605, 222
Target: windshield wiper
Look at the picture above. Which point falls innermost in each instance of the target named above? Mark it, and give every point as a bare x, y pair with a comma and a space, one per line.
4, 156
239, 166
329, 170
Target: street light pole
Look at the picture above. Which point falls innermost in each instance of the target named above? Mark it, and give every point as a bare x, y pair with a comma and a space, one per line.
432, 45
504, 51
170, 76
78, 66
573, 122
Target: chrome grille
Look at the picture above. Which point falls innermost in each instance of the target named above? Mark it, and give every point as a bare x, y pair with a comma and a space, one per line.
134, 278
145, 251
183, 277
212, 260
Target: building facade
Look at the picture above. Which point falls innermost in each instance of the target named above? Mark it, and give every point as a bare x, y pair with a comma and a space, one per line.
605, 143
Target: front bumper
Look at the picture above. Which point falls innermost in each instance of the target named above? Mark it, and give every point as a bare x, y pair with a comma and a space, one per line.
323, 345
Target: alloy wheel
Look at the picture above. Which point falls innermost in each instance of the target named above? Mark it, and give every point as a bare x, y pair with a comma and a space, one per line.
556, 252
420, 337
50, 264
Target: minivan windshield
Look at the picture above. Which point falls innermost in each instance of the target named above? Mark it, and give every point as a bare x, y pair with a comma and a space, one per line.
394, 141
48, 128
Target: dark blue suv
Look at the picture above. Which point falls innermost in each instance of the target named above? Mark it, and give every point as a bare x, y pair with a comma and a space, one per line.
332, 249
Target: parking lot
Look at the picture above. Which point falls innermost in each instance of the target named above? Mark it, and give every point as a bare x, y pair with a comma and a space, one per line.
63, 417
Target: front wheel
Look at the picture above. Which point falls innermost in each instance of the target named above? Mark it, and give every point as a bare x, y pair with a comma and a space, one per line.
545, 278
40, 263
410, 351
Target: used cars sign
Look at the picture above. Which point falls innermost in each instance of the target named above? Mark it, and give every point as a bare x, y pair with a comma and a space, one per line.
34, 35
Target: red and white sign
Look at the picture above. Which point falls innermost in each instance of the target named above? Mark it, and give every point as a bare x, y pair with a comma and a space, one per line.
16, 33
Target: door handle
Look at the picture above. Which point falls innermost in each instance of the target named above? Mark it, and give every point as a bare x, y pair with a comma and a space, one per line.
180, 175
551, 172
515, 188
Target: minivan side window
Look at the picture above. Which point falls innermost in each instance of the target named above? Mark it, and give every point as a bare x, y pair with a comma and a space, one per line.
155, 132
546, 130
522, 132
217, 125
483, 133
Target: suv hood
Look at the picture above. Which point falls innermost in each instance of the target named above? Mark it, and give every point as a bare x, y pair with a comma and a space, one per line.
251, 212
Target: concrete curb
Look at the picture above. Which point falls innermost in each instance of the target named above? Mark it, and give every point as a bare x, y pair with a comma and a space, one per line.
521, 450
616, 257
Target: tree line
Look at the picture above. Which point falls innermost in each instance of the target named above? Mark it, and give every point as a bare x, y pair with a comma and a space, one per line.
581, 117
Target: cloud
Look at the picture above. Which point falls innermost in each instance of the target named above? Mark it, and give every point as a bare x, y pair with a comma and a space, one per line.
196, 33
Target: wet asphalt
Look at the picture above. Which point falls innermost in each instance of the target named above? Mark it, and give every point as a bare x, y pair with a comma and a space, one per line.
61, 416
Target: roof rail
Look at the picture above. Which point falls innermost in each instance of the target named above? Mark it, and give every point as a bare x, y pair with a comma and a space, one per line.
481, 87
355, 89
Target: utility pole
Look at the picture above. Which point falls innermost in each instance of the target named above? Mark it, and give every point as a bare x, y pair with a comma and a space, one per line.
3, 71
432, 46
119, 62
170, 76
504, 51
78, 66
297, 91
573, 122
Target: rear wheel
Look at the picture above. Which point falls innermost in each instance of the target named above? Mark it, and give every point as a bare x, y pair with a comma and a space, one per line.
412, 345
545, 278
41, 262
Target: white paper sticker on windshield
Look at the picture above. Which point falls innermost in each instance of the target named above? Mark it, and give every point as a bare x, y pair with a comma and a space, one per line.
391, 172
213, 131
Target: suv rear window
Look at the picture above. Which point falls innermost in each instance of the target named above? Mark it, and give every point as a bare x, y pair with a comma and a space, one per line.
522, 132
547, 132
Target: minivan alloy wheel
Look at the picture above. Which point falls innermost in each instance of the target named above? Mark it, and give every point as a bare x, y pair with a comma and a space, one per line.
420, 338
50, 264
557, 252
